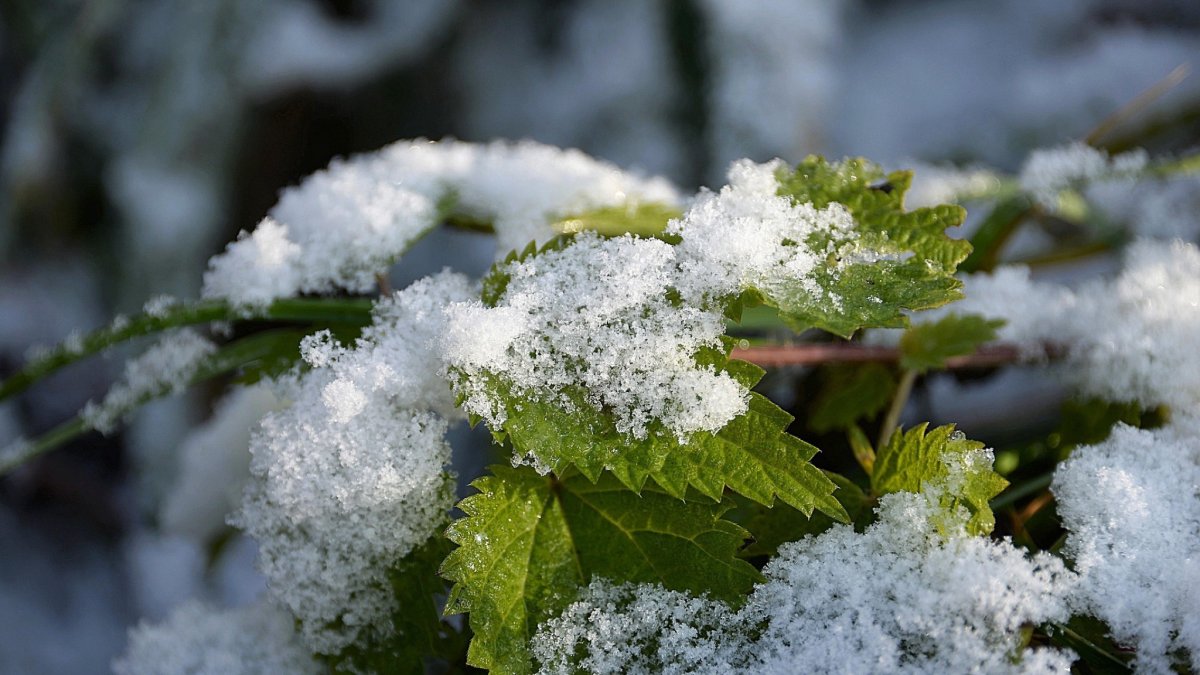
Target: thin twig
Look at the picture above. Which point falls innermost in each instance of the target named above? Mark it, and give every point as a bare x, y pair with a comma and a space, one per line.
1139, 103
853, 352
892, 420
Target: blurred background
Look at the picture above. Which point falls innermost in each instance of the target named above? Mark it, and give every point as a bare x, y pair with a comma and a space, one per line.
141, 135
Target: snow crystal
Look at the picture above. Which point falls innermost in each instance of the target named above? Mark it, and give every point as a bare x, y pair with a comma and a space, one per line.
1132, 510
350, 477
898, 598
596, 316
167, 367
214, 466
342, 226
199, 639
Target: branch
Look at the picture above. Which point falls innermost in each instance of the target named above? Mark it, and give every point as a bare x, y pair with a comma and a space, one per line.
989, 356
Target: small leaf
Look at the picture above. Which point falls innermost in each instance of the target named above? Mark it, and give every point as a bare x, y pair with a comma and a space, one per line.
926, 346
907, 261
915, 459
529, 542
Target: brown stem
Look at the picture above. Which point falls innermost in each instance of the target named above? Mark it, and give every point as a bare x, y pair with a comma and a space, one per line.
853, 352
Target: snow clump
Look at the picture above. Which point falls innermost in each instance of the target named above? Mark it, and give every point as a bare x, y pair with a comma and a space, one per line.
198, 639
342, 226
350, 477
1132, 509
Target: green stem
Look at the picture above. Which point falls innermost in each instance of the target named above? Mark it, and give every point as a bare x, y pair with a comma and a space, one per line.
227, 359
892, 420
355, 311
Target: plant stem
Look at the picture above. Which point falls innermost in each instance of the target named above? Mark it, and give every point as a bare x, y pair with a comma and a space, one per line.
814, 354
354, 311
227, 359
892, 420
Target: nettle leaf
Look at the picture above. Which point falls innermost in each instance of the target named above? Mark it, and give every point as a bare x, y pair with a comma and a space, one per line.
915, 459
419, 632
927, 346
647, 220
896, 260
529, 542
751, 455
851, 392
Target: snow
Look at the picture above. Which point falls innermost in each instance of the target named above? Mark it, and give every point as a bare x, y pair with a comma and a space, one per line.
342, 226
214, 465
350, 477
166, 367
1132, 510
197, 639
595, 318
901, 597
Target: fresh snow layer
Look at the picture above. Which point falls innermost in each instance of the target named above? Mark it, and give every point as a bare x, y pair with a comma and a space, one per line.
1131, 505
350, 477
899, 598
1133, 338
198, 639
596, 316
621, 319
342, 226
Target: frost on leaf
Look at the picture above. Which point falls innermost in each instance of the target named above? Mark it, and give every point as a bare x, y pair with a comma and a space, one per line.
901, 597
955, 471
583, 354
528, 542
166, 367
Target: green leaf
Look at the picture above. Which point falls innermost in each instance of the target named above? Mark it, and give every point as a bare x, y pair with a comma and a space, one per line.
646, 220
911, 261
915, 459
530, 541
851, 392
927, 346
419, 632
751, 455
